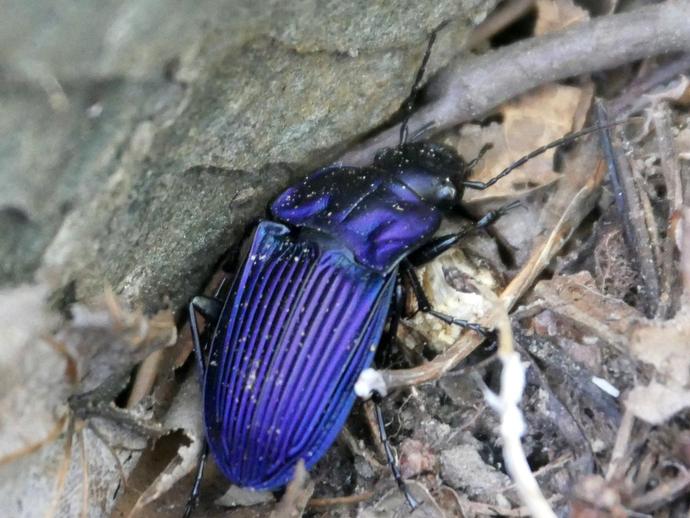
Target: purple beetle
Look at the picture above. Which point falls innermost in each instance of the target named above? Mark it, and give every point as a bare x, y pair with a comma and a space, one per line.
289, 337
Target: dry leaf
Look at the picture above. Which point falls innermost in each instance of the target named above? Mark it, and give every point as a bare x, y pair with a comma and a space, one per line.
53, 464
665, 346
533, 120
554, 15
576, 299
655, 403
185, 415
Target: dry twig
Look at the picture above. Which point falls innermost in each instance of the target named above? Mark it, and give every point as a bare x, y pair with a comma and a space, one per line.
320, 503
620, 459
513, 426
631, 202
633, 99
145, 378
670, 167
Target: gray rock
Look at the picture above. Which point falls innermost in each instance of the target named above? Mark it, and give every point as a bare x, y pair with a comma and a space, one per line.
139, 140
463, 468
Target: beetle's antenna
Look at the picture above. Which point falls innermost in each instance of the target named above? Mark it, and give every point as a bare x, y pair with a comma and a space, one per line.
409, 103
480, 186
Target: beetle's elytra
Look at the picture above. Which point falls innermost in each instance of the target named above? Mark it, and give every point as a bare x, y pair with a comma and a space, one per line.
306, 310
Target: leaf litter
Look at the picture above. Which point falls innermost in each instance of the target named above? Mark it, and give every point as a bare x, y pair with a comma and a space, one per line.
65, 451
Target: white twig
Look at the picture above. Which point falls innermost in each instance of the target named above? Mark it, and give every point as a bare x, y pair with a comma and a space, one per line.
370, 381
505, 403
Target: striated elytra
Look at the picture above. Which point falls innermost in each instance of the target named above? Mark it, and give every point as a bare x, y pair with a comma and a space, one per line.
304, 315
306, 312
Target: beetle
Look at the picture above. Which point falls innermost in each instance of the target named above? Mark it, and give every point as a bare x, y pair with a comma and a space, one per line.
290, 335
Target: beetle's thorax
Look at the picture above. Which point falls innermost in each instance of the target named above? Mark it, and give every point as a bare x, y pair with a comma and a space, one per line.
435, 172
369, 211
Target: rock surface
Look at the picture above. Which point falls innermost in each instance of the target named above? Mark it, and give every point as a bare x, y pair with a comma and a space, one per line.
140, 138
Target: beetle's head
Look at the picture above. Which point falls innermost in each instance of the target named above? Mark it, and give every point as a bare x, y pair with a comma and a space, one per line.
434, 171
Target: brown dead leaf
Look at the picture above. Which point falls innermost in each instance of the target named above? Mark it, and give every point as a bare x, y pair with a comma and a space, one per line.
554, 15
533, 120
665, 346
576, 299
185, 414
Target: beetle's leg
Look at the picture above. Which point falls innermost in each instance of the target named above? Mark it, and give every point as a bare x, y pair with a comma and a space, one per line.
209, 308
193, 499
399, 302
397, 309
230, 261
426, 307
376, 398
437, 246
